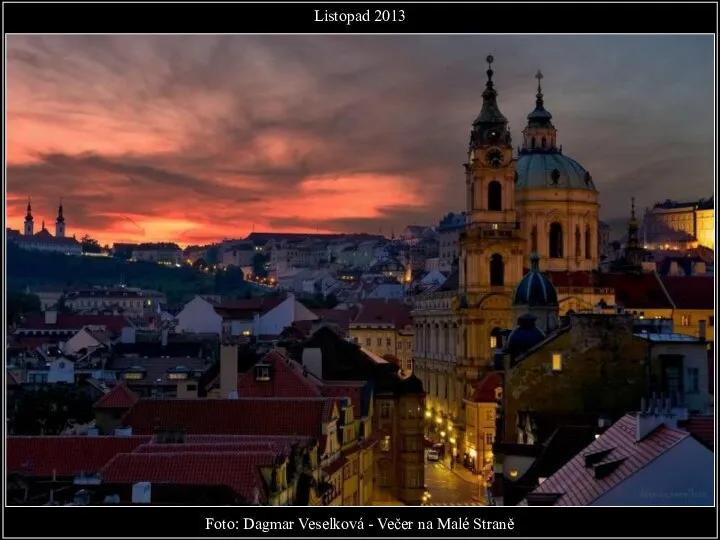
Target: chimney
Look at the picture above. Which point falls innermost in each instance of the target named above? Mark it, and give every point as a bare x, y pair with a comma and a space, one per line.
658, 413
228, 369
164, 337
702, 330
51, 316
312, 361
700, 268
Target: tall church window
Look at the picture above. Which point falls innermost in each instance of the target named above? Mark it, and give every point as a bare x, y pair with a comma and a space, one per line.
588, 242
578, 243
494, 196
556, 241
533, 240
532, 142
543, 143
497, 270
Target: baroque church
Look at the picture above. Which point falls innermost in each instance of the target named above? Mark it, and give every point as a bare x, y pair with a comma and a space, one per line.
43, 240
532, 211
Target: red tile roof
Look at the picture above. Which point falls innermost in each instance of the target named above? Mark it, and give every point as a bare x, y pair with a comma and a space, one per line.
114, 323
245, 416
352, 390
341, 317
257, 445
485, 389
248, 308
637, 291
286, 380
67, 456
576, 484
691, 292
281, 440
702, 428
571, 279
239, 471
384, 312
120, 397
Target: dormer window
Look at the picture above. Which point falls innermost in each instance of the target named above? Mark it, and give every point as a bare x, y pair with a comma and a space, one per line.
178, 373
134, 373
262, 372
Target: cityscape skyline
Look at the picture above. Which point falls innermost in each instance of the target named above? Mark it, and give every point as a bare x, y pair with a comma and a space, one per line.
127, 130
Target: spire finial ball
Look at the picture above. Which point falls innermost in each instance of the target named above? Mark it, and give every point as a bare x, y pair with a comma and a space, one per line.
490, 59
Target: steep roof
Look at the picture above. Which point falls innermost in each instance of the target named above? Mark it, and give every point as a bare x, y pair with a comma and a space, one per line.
114, 323
485, 389
288, 379
702, 427
239, 471
120, 397
245, 416
637, 291
576, 484
691, 292
66, 456
393, 313
248, 308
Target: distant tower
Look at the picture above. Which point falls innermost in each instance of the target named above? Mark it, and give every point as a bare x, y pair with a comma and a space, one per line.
43, 225
60, 222
29, 224
634, 251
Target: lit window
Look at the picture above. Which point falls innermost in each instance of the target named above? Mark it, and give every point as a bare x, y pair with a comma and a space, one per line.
493, 342
385, 444
495, 226
557, 362
262, 373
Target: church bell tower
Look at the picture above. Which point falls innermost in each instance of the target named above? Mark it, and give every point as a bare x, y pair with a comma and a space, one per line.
491, 247
493, 256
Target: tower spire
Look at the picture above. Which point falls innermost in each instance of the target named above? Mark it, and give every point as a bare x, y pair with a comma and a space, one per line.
28, 216
490, 115
60, 217
539, 117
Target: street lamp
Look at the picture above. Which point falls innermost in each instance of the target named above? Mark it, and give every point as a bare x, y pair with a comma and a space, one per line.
442, 434
428, 414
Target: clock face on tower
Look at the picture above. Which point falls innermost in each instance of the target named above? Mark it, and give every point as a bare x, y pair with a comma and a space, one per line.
494, 157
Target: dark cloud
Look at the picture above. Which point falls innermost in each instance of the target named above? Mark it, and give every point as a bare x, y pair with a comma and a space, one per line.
226, 131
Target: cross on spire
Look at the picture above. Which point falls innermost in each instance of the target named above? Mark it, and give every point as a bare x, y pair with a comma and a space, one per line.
539, 77
632, 203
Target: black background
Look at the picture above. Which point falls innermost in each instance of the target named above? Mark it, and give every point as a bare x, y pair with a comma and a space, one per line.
552, 522
87, 17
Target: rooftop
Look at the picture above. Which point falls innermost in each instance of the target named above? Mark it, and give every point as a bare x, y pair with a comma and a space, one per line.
607, 462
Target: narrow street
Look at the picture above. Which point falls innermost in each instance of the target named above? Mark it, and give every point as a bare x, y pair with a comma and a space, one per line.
447, 486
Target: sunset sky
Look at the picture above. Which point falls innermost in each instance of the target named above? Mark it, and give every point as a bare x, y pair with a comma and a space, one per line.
197, 138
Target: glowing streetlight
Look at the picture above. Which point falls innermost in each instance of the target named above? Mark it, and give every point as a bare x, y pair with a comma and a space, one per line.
428, 414
452, 440
438, 419
442, 433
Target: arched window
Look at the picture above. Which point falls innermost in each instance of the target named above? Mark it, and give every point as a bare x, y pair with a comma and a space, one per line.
556, 241
532, 142
543, 143
472, 196
533, 240
497, 270
578, 242
588, 244
494, 196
